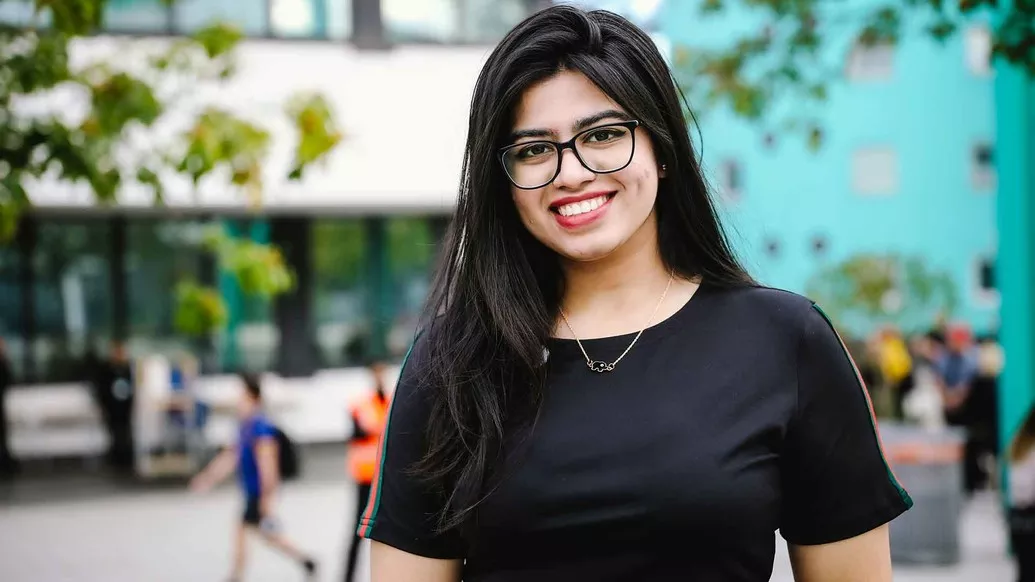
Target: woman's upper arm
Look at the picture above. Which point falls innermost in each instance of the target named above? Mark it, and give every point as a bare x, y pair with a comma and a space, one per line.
836, 484
388, 564
863, 558
403, 509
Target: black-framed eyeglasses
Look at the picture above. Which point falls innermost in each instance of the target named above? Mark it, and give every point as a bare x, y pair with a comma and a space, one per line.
601, 149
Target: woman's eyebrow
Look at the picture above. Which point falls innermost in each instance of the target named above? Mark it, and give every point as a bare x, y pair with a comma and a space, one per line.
579, 125
591, 119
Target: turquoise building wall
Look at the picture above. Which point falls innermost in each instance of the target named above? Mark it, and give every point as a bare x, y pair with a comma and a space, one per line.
932, 111
1015, 111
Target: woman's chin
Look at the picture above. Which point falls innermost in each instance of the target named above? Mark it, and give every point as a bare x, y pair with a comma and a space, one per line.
588, 250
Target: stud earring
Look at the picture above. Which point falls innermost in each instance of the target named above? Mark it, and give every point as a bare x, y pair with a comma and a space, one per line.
663, 167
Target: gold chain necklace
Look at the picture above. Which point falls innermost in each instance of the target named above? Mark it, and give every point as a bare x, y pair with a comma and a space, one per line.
601, 366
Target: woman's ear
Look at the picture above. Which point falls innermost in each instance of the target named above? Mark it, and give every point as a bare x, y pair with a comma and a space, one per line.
663, 170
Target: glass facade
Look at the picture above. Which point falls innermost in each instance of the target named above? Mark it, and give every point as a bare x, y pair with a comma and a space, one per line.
72, 295
341, 314
251, 337
412, 251
71, 285
249, 15
159, 255
402, 21
12, 320
452, 21
316, 19
17, 12
137, 16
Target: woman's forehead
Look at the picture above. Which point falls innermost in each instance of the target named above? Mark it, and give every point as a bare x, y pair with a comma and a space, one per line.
558, 103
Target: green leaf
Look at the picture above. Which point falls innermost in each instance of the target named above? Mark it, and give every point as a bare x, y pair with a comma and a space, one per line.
883, 27
119, 100
318, 133
200, 310
13, 201
218, 39
219, 138
942, 30
711, 6
149, 177
42, 67
259, 269
815, 139
73, 17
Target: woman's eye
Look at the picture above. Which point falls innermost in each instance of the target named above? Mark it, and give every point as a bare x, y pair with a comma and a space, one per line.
604, 135
532, 151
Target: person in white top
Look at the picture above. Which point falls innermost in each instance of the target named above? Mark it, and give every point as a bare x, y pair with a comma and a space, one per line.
1022, 498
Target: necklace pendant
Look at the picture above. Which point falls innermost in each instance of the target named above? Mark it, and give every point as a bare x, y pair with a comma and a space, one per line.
599, 366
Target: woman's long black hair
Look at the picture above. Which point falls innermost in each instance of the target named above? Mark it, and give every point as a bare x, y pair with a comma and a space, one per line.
497, 290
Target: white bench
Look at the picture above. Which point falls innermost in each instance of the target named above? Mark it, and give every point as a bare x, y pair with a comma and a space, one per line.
54, 420
62, 420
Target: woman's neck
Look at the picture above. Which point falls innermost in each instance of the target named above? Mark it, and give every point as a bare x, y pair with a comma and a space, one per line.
618, 294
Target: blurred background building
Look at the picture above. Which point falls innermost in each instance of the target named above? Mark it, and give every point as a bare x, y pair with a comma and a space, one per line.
899, 174
913, 185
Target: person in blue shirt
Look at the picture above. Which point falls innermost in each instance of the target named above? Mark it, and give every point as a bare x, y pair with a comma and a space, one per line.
255, 458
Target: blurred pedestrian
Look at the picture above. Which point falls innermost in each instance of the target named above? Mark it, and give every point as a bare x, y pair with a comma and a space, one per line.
924, 404
8, 464
112, 385
369, 417
255, 457
982, 412
1022, 498
896, 365
599, 390
957, 368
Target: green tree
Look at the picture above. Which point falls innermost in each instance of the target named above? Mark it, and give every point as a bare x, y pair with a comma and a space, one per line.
883, 288
127, 98
789, 60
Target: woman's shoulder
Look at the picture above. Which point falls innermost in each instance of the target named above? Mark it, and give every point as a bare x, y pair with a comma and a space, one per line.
758, 305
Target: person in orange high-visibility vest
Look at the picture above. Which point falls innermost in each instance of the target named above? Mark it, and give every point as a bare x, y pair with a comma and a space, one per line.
369, 417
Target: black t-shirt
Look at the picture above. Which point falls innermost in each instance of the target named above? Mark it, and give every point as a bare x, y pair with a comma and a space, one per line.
740, 415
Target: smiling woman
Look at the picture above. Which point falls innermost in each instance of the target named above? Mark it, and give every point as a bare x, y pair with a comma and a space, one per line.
599, 390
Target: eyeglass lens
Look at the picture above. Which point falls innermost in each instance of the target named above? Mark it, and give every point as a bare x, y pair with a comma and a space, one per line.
601, 149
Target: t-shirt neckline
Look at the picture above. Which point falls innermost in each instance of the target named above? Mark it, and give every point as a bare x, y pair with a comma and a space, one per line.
659, 329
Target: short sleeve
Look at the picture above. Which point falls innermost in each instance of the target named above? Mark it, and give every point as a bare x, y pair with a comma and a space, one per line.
836, 481
401, 511
264, 429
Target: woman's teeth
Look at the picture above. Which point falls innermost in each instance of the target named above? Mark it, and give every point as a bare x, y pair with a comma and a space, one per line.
577, 208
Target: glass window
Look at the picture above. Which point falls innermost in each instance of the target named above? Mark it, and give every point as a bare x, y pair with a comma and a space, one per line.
311, 18
986, 293
256, 333
978, 53
252, 336
875, 171
340, 306
411, 254
73, 295
871, 63
136, 16
446, 21
11, 320
16, 12
339, 19
730, 181
159, 255
982, 167
248, 15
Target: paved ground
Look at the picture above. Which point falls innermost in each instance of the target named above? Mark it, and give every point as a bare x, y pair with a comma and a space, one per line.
82, 532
